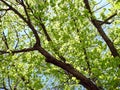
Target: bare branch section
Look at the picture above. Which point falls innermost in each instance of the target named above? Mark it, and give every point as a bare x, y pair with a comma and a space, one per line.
100, 29
25, 20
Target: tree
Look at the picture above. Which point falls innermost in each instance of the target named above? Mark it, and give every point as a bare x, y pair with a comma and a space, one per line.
75, 41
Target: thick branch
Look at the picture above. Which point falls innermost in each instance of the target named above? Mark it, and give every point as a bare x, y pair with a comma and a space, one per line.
87, 83
87, 6
100, 30
107, 40
67, 67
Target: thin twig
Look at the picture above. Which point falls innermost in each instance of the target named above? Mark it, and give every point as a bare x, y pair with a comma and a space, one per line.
9, 83
17, 39
101, 7
29, 38
84, 50
5, 40
5, 11
106, 20
15, 87
4, 86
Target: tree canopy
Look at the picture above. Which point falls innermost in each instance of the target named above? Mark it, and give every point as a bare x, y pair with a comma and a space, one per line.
63, 44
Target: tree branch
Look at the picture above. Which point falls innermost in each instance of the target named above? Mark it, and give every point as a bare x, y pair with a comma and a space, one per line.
9, 82
15, 86
4, 86
17, 35
49, 58
101, 32
84, 50
25, 9
42, 25
106, 20
29, 38
101, 7
5, 11
24, 19
5, 40
87, 83
17, 51
87, 6
45, 31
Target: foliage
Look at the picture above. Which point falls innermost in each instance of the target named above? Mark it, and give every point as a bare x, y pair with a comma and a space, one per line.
69, 33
